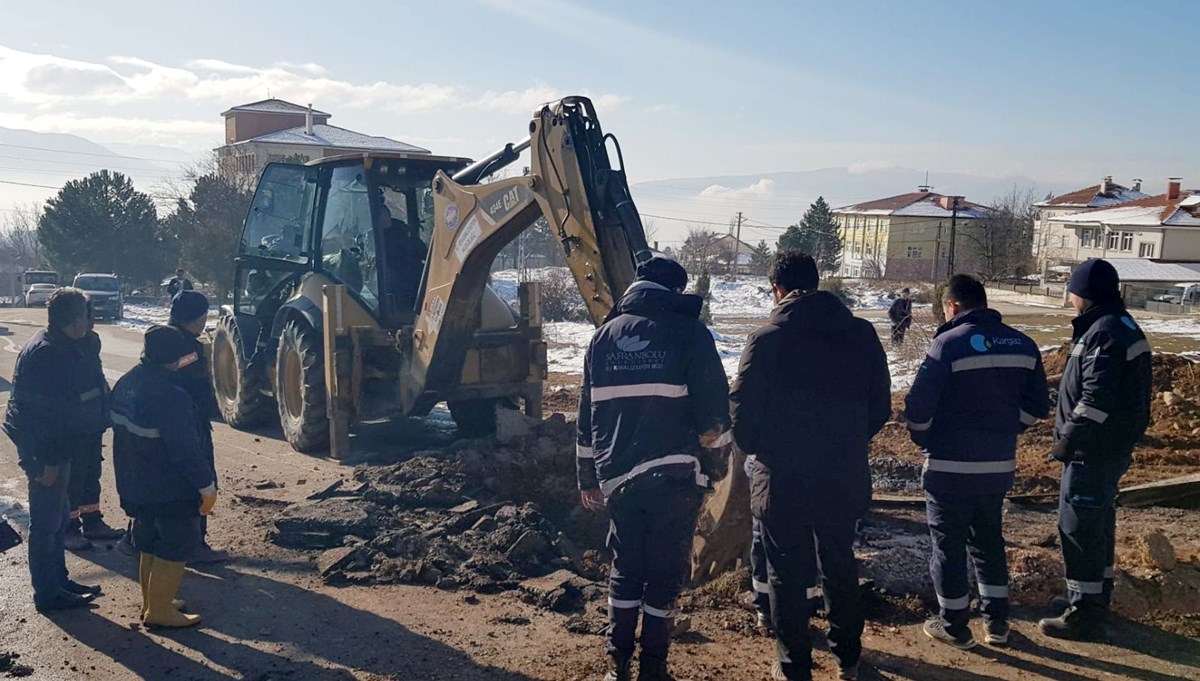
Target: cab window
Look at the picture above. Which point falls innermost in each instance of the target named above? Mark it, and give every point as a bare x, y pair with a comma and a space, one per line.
279, 223
347, 237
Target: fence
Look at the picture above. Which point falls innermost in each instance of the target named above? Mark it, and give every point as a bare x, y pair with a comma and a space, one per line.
1031, 289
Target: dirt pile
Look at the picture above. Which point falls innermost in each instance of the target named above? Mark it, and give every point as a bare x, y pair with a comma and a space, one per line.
483, 514
1170, 448
11, 669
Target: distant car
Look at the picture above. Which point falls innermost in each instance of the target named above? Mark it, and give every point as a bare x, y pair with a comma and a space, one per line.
39, 294
104, 290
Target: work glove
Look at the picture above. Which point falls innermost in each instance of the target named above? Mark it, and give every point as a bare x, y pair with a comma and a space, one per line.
208, 499
1064, 451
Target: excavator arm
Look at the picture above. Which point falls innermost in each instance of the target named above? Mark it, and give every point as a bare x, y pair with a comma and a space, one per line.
586, 202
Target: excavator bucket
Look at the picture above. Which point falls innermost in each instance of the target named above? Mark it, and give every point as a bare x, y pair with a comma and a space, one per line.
722, 540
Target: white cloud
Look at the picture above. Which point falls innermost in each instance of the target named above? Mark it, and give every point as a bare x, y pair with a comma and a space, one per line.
527, 101
47, 80
662, 108
763, 188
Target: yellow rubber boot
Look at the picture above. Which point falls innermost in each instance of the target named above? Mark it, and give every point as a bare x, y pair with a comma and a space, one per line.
145, 566
165, 578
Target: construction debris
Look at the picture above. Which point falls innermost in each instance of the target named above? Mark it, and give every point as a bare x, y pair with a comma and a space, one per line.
1158, 551
485, 515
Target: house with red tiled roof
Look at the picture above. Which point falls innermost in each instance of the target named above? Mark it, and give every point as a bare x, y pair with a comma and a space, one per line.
1164, 227
904, 237
1055, 244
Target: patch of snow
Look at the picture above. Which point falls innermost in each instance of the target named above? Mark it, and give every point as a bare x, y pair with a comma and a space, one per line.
141, 317
1183, 326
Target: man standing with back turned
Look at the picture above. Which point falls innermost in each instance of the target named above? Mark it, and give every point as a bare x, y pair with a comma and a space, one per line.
981, 384
654, 396
1103, 409
812, 390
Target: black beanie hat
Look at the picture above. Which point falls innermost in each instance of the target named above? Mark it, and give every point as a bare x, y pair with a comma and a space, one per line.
163, 345
188, 306
1096, 280
664, 272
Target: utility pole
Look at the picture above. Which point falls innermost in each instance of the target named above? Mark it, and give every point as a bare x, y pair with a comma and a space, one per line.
953, 233
737, 245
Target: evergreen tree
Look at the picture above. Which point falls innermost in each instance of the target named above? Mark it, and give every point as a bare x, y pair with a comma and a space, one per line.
817, 235
760, 259
208, 225
704, 290
102, 224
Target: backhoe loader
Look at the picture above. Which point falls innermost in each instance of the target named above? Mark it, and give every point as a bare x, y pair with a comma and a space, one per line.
360, 288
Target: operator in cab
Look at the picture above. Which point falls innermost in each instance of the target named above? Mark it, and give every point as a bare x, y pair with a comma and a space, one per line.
404, 257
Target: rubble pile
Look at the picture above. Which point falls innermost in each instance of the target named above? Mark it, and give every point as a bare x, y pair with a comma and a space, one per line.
483, 514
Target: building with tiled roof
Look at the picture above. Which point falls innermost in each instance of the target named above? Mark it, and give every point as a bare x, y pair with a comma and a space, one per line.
259, 133
904, 237
1055, 243
1163, 227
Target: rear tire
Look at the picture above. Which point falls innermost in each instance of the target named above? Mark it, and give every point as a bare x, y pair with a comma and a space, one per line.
300, 388
474, 418
238, 387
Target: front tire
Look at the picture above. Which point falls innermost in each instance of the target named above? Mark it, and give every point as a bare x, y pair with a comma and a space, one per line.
239, 387
300, 388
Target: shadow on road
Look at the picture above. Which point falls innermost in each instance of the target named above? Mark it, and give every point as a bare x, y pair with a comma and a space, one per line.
310, 635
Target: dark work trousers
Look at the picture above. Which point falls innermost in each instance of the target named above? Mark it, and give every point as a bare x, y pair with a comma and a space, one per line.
1087, 527
652, 523
759, 578
49, 512
796, 554
170, 537
84, 488
958, 525
898, 331
206, 442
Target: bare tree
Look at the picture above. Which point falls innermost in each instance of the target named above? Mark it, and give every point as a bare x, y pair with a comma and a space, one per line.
998, 246
700, 249
650, 228
19, 245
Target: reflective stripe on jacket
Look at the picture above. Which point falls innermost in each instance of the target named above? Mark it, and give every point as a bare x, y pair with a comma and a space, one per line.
653, 384
981, 384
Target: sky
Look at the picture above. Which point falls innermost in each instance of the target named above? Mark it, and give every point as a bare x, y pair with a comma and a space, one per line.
1052, 92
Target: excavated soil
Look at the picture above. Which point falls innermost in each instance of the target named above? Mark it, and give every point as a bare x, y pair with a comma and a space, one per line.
1170, 448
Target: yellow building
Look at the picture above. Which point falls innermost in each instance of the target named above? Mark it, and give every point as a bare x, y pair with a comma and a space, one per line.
904, 237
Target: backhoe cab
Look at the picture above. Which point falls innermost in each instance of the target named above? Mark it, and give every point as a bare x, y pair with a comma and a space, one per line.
360, 290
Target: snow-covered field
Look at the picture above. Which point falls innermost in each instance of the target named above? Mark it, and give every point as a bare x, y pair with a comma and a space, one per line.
739, 306
139, 316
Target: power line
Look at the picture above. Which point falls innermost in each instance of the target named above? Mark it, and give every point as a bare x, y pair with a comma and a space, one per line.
85, 164
87, 153
26, 184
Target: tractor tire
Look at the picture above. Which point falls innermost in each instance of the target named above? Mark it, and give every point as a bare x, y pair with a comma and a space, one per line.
300, 388
474, 418
240, 389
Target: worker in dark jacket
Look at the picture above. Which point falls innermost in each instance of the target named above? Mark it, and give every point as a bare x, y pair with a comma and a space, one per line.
812, 389
47, 420
189, 315
164, 477
981, 384
900, 314
83, 490
654, 397
1103, 409
178, 283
